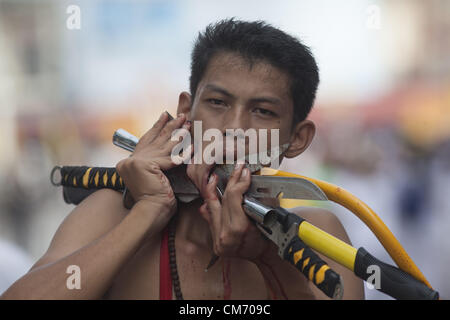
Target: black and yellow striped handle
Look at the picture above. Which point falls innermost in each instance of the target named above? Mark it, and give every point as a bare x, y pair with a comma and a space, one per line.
314, 268
392, 280
79, 182
90, 177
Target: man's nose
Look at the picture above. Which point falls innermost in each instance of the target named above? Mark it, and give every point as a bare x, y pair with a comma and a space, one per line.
235, 118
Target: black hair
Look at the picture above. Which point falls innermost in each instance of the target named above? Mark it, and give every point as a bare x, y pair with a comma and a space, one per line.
260, 41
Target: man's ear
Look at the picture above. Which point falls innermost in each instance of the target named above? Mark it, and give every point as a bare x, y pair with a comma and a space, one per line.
301, 137
184, 104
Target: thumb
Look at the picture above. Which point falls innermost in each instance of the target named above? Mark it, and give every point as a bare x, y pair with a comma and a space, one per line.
203, 210
213, 204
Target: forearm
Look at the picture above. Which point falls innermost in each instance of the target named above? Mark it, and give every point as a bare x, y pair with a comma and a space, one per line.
99, 262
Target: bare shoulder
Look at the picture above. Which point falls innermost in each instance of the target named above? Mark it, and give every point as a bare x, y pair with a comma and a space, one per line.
323, 219
92, 218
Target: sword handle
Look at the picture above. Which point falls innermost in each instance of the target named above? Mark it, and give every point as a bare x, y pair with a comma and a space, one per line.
125, 140
314, 268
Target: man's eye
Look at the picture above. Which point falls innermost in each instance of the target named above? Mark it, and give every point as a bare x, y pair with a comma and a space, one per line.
265, 112
216, 101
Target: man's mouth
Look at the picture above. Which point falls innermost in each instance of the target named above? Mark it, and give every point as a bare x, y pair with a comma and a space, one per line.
232, 157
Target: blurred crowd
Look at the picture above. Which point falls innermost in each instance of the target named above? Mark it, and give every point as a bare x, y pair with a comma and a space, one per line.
383, 127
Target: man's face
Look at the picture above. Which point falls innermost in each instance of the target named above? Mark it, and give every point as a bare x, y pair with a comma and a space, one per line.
233, 95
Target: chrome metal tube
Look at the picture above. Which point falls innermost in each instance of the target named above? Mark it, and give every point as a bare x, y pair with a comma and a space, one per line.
125, 140
259, 212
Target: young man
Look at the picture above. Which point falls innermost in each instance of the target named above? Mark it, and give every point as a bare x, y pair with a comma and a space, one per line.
244, 75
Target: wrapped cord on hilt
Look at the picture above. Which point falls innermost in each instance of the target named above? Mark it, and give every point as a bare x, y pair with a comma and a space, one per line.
91, 177
314, 268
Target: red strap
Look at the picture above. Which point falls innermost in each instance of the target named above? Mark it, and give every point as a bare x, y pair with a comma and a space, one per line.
165, 280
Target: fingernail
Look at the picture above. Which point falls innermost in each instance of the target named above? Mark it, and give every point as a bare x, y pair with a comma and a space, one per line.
211, 178
245, 172
162, 115
238, 166
168, 115
186, 125
181, 115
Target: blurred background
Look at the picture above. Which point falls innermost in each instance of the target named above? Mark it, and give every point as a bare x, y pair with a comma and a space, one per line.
382, 110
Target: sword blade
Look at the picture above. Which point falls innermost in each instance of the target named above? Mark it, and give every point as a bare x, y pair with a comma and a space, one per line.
292, 188
261, 186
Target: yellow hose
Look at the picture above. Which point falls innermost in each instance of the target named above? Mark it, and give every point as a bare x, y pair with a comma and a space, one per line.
368, 216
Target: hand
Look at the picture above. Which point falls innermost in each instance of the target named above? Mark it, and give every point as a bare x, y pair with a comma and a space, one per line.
233, 233
142, 171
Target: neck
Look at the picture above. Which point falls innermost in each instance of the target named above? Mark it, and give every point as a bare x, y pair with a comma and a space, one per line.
191, 228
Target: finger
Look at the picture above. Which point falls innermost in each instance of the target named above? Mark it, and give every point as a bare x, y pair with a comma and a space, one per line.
167, 130
238, 218
235, 175
214, 234
235, 186
214, 206
181, 137
184, 157
244, 181
151, 134
234, 216
204, 212
165, 163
